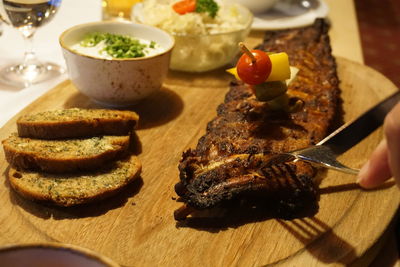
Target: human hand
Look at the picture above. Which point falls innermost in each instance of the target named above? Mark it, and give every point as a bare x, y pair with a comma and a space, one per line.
384, 161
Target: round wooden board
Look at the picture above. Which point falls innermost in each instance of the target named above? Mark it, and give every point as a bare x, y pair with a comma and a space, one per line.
137, 228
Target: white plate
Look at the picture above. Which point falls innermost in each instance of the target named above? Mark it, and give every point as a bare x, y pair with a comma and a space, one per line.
284, 15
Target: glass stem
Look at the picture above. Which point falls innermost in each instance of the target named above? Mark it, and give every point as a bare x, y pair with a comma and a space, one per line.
30, 69
30, 56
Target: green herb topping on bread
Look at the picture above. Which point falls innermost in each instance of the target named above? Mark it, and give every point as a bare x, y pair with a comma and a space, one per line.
66, 155
72, 156
75, 122
73, 189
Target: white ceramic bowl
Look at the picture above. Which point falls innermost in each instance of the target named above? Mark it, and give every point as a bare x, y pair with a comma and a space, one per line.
256, 6
200, 53
52, 254
117, 82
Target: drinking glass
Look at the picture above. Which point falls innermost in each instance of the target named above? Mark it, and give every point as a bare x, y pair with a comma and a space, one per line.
117, 9
27, 16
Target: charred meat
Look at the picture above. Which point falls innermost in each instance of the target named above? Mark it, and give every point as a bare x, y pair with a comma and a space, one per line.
232, 160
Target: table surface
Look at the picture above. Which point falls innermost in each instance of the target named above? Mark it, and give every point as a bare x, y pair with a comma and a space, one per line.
344, 34
344, 37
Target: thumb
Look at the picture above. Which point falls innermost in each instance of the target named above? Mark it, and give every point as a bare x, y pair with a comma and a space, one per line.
392, 132
376, 170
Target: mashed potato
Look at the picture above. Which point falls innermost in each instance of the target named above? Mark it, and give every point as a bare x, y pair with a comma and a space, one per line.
202, 43
160, 14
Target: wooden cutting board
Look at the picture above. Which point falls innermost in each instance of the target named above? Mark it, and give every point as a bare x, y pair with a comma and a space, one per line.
137, 228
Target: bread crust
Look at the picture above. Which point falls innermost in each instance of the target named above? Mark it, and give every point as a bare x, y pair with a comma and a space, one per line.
75, 189
74, 123
41, 157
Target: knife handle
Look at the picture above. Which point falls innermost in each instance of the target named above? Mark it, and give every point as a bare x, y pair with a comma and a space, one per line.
353, 132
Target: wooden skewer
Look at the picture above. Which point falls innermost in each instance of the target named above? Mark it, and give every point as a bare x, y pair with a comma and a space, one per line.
247, 52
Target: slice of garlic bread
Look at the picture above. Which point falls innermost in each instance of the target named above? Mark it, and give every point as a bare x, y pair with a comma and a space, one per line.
73, 189
63, 156
75, 122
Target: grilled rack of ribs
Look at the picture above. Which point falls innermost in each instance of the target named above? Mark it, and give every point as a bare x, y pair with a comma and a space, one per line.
232, 160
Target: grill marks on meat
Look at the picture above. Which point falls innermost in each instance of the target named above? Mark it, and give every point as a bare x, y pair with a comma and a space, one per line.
248, 175
232, 160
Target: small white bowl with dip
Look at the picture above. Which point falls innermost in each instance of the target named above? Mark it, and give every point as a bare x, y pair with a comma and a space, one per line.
116, 82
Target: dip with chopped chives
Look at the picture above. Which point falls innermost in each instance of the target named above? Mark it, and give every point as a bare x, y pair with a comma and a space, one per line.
109, 46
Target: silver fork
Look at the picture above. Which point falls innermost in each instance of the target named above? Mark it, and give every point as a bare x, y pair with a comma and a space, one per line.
325, 152
319, 155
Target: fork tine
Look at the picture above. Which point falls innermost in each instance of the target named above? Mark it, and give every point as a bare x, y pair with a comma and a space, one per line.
335, 165
322, 155
280, 158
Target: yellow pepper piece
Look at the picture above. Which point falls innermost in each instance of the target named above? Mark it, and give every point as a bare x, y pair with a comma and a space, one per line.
280, 68
233, 71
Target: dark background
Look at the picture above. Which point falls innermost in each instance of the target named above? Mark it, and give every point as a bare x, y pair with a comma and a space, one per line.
379, 25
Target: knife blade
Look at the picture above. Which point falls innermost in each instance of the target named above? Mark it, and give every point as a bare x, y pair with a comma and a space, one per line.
354, 131
345, 137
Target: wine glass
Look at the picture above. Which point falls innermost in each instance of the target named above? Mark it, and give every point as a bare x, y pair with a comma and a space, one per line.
27, 16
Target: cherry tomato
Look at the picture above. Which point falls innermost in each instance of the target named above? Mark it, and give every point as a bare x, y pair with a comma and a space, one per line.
254, 72
184, 6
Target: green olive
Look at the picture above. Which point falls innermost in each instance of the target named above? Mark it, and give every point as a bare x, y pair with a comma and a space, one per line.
295, 105
286, 103
269, 90
279, 103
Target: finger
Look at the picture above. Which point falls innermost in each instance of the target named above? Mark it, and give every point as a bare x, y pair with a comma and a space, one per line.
376, 170
392, 132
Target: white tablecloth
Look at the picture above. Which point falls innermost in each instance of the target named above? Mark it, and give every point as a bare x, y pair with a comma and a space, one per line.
46, 45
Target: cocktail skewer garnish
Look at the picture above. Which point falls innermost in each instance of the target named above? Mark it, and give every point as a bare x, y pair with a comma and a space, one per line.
267, 75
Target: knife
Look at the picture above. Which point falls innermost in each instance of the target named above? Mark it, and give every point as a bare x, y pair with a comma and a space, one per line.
345, 137
353, 132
